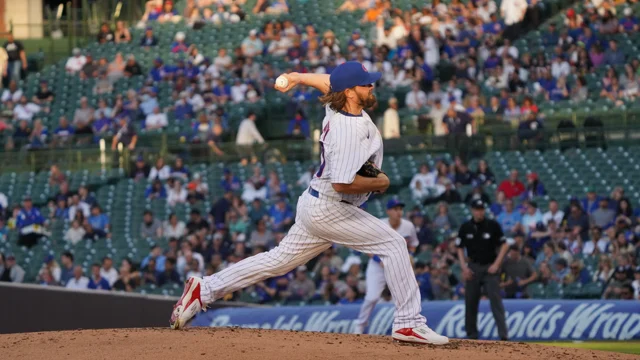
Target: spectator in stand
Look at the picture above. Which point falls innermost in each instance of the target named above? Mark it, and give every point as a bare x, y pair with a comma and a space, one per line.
12, 93
149, 39
531, 218
122, 34
509, 219
29, 223
97, 282
16, 58
75, 233
132, 68
156, 190
44, 96
174, 228
169, 275
391, 120
99, 222
78, 281
554, 213
176, 194
168, 13
534, 187
126, 134
151, 227
252, 45
519, 273
66, 270
106, 35
299, 121
156, 120
301, 288
416, 99
603, 217
614, 56
483, 174
281, 216
108, 272
591, 202
512, 187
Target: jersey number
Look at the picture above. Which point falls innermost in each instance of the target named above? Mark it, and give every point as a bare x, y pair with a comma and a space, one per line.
323, 161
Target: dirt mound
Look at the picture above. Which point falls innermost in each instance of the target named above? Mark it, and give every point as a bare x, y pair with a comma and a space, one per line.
231, 343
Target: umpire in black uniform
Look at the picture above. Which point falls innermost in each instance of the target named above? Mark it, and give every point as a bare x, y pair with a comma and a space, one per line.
486, 247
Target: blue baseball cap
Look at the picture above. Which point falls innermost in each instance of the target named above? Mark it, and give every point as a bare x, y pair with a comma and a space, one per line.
350, 74
394, 203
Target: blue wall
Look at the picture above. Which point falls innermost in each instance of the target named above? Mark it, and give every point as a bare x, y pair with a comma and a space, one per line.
526, 319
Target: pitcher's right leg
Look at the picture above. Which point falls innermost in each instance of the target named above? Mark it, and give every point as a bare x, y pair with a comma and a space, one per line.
296, 249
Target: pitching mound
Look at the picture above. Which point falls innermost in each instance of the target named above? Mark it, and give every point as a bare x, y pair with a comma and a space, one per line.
229, 343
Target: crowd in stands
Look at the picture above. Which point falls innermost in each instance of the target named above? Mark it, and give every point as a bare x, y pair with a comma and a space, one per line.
549, 245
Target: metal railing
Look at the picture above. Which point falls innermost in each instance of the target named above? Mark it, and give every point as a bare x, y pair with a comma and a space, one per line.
488, 138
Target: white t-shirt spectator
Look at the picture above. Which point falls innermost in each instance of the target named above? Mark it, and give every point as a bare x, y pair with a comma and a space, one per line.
156, 121
162, 174
416, 99
237, 92
171, 232
560, 68
74, 235
222, 62
511, 50
427, 181
280, 47
557, 217
248, 133
75, 63
78, 284
110, 275
513, 11
181, 263
589, 246
9, 96
82, 206
176, 196
25, 112
431, 52
391, 124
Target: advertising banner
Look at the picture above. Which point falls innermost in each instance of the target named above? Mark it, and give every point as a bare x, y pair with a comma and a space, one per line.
527, 320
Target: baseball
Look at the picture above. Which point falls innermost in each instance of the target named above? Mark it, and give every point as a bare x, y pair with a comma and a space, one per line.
282, 82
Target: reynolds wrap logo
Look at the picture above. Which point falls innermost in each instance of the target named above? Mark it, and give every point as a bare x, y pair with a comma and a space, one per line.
586, 321
526, 319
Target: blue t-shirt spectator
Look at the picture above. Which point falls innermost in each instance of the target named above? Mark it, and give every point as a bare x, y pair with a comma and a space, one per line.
101, 284
509, 220
29, 217
99, 222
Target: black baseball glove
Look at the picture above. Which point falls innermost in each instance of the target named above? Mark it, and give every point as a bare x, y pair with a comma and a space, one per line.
370, 170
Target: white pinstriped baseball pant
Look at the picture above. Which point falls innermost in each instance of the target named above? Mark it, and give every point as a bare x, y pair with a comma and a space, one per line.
319, 222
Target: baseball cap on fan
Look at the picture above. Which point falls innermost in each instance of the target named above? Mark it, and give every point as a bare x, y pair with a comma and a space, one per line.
394, 203
351, 74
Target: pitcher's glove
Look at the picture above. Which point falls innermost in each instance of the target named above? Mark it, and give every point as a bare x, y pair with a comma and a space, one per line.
369, 169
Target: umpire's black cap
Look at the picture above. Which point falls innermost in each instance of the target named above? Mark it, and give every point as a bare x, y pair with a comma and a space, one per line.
477, 204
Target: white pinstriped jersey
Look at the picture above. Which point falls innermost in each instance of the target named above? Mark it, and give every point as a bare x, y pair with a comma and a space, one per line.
407, 230
346, 143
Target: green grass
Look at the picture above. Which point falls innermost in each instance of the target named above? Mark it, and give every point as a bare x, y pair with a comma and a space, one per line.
627, 347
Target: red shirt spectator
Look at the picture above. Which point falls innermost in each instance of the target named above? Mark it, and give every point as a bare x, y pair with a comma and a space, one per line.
512, 187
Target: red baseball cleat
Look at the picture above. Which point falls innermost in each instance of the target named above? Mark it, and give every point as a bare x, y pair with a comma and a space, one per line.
188, 306
421, 334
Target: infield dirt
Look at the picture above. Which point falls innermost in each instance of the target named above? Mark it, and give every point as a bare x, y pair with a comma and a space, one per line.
232, 343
